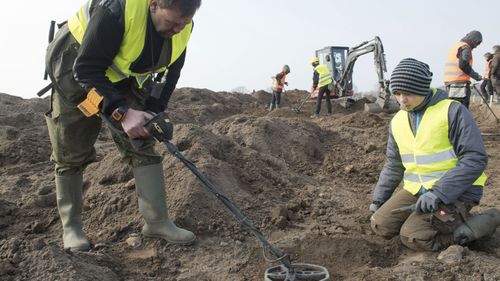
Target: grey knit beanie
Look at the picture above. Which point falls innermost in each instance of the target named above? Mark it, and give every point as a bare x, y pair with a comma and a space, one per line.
411, 76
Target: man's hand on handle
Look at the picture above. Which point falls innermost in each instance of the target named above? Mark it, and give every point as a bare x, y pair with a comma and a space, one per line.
133, 123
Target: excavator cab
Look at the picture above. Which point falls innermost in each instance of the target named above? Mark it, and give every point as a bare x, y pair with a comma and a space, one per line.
335, 57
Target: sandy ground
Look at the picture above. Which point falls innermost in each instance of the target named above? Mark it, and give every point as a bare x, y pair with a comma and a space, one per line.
306, 183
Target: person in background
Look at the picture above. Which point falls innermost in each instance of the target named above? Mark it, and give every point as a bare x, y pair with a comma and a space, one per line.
458, 68
495, 70
322, 81
435, 148
486, 86
279, 82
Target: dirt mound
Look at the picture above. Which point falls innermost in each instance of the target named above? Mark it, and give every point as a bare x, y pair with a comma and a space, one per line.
306, 183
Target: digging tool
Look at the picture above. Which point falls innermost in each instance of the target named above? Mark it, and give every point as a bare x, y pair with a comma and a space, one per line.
160, 128
296, 109
410, 208
485, 101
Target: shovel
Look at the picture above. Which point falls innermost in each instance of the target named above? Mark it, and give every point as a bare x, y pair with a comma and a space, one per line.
296, 109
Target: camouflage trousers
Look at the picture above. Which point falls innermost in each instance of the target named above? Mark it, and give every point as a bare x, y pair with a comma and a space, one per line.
417, 231
71, 133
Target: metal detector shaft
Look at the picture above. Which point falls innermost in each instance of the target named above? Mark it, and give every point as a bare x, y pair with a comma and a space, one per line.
485, 101
283, 258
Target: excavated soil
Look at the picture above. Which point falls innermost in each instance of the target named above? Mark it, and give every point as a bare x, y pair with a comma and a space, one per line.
305, 183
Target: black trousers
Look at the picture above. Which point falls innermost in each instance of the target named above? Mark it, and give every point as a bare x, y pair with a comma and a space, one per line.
324, 91
276, 98
486, 88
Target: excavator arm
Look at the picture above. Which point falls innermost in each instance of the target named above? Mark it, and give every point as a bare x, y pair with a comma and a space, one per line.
344, 84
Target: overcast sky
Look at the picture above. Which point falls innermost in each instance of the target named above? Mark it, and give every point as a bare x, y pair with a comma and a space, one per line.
244, 42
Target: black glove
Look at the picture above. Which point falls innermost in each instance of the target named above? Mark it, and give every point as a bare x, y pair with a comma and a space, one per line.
160, 127
427, 202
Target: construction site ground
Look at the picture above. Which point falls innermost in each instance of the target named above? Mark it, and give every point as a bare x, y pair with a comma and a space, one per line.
306, 183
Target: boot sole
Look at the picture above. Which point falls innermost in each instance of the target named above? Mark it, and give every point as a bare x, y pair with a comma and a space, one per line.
169, 240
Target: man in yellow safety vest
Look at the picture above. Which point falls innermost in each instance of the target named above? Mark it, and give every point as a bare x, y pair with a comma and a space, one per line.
322, 80
111, 60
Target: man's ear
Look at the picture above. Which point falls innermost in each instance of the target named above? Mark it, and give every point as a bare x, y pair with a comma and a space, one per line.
153, 5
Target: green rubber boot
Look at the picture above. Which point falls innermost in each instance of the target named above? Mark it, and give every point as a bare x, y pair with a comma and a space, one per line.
477, 227
150, 187
69, 203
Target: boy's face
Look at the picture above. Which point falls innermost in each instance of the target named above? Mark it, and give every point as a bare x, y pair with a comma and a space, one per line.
407, 101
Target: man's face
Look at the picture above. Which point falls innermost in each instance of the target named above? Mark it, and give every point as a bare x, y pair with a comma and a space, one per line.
408, 102
168, 22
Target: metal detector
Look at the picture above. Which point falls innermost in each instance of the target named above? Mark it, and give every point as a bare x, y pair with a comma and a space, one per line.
485, 101
287, 271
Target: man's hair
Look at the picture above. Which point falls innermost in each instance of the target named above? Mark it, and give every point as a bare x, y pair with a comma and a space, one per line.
496, 48
187, 7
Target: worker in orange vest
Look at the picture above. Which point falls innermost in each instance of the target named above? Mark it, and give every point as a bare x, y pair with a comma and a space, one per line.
458, 69
486, 86
279, 82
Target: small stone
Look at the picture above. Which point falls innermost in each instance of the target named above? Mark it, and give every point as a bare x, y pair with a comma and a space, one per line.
452, 255
130, 184
224, 244
38, 227
349, 169
44, 190
134, 242
370, 147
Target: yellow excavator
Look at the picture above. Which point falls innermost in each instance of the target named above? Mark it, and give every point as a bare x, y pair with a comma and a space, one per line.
340, 60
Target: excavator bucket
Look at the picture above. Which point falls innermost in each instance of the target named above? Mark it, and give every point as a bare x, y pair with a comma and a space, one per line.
382, 106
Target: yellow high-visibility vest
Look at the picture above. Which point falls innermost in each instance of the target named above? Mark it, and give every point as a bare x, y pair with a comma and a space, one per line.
325, 77
452, 71
136, 21
429, 154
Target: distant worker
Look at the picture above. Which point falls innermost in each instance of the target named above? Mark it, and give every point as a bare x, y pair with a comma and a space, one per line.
120, 59
495, 70
322, 80
436, 149
458, 69
279, 82
486, 86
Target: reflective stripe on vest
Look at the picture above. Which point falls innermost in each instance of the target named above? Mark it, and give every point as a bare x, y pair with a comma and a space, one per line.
325, 77
136, 21
429, 155
280, 85
452, 71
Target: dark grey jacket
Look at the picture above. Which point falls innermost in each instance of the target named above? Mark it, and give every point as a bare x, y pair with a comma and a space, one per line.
469, 148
